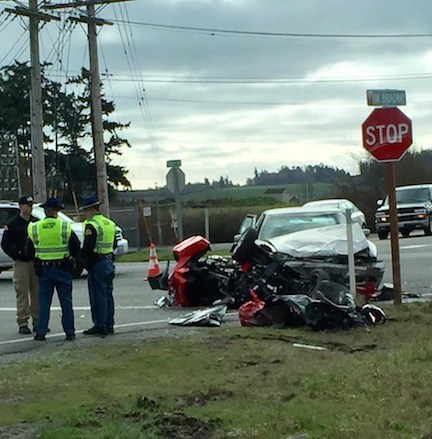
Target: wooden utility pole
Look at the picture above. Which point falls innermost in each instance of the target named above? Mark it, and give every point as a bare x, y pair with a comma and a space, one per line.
95, 92
97, 122
36, 109
38, 156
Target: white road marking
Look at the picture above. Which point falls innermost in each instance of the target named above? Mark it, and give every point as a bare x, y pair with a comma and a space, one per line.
62, 334
87, 308
414, 246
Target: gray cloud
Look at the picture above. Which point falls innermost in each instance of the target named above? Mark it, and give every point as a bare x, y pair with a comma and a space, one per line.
228, 129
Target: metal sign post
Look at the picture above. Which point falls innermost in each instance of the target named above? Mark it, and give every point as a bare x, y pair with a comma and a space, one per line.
176, 183
351, 261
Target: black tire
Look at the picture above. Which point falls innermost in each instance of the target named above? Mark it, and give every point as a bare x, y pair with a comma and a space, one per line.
406, 233
428, 231
382, 234
244, 247
316, 277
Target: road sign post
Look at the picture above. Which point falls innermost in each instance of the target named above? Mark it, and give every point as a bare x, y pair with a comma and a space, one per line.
387, 135
394, 233
176, 183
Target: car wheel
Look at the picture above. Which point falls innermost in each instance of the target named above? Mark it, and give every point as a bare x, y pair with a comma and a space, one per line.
243, 249
382, 234
406, 233
428, 231
315, 278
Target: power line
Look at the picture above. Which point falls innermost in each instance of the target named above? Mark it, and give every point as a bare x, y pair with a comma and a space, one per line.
132, 59
267, 34
25, 44
264, 81
258, 103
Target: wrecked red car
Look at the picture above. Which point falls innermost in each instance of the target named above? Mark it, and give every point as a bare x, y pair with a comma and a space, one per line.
284, 265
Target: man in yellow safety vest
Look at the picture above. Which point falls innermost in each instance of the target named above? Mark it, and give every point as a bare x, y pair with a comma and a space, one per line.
97, 254
52, 242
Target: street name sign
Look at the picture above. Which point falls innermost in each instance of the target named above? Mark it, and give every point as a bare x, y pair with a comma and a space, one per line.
173, 163
386, 98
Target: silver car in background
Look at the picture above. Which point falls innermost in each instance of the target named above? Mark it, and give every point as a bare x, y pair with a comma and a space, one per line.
8, 209
343, 204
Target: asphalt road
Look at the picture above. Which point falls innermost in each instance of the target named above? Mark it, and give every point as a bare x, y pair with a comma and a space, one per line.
135, 309
134, 302
415, 262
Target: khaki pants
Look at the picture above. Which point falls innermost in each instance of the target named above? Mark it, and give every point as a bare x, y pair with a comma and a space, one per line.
26, 287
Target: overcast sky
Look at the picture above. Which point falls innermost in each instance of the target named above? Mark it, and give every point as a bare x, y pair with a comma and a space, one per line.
228, 102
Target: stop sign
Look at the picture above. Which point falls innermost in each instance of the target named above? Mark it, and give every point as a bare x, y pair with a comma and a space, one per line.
387, 134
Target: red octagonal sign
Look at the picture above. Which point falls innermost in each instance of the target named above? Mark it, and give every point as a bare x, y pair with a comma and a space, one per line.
387, 134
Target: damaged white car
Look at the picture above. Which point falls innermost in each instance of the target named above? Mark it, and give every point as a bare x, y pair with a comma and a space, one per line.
290, 252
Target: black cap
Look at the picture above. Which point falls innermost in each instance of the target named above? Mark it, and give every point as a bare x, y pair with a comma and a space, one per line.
53, 203
26, 199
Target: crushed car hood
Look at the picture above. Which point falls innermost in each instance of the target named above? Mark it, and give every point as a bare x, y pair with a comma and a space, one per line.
321, 242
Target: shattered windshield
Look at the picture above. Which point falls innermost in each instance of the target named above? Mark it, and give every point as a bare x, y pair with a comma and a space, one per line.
413, 195
277, 225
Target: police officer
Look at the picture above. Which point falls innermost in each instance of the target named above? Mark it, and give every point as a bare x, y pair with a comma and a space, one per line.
24, 278
53, 242
97, 253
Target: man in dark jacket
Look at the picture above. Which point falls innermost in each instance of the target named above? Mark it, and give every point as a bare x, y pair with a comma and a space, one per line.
24, 278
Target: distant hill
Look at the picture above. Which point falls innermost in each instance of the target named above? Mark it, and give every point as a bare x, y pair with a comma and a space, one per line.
303, 192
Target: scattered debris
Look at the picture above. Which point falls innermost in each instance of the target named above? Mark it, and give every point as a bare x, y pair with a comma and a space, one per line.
207, 317
306, 346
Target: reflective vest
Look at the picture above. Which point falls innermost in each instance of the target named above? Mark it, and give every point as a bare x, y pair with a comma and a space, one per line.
105, 233
50, 237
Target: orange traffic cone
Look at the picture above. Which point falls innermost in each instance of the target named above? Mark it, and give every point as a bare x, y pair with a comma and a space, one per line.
154, 268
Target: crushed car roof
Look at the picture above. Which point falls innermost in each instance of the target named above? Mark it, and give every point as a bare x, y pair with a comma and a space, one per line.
323, 241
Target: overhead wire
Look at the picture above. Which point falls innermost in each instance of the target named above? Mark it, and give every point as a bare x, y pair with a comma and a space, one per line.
142, 88
272, 34
129, 47
271, 81
5, 22
25, 44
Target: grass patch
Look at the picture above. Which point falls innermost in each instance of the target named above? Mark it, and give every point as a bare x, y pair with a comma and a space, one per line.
163, 253
232, 382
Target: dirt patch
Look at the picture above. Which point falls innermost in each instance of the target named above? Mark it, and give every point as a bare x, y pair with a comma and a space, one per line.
18, 431
177, 425
218, 342
202, 399
11, 399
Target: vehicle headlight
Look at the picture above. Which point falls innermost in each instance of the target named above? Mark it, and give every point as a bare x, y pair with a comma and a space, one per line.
381, 217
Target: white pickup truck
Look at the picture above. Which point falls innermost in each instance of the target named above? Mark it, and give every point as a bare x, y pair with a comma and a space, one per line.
8, 209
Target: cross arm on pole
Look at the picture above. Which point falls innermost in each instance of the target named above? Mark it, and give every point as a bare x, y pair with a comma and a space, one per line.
95, 21
28, 13
77, 4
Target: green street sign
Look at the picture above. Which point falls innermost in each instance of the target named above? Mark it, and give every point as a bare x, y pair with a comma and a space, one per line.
385, 98
173, 163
